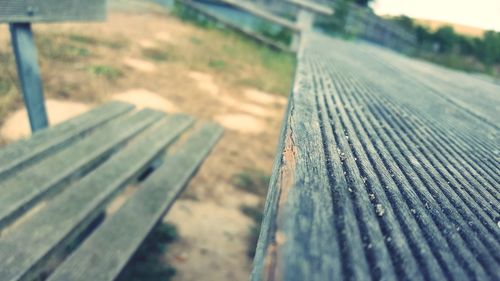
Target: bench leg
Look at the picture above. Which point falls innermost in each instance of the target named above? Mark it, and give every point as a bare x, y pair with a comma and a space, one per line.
29, 74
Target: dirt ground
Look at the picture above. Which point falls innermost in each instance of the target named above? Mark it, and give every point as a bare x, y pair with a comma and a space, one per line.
213, 231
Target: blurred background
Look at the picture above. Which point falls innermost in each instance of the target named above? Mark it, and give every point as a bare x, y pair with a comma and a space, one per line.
231, 62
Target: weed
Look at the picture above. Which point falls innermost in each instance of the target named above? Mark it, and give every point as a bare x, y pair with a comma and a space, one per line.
280, 34
217, 64
113, 43
155, 54
106, 71
252, 181
82, 39
255, 213
147, 264
54, 48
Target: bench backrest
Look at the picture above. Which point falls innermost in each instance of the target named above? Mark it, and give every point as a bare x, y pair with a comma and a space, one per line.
20, 14
51, 10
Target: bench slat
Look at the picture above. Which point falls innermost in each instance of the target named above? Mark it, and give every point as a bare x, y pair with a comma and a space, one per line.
104, 254
372, 178
22, 190
40, 144
23, 249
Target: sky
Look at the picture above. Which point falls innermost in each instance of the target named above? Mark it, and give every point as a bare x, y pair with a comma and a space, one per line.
477, 13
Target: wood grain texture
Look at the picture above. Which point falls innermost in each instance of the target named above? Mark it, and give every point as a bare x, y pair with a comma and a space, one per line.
25, 248
107, 250
22, 190
52, 10
384, 172
28, 151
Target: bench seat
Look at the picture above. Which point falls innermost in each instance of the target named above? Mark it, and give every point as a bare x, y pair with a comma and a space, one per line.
47, 206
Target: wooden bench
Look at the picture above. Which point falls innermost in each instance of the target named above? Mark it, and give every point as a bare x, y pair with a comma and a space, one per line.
55, 185
20, 15
380, 175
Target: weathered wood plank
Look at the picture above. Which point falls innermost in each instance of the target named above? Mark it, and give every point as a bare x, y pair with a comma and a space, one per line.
23, 250
258, 38
25, 189
259, 12
52, 10
16, 155
103, 255
377, 180
312, 6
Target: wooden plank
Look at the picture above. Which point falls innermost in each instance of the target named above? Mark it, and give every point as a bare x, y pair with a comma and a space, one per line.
260, 39
24, 249
365, 186
25, 152
51, 10
25, 189
29, 74
103, 255
259, 12
312, 6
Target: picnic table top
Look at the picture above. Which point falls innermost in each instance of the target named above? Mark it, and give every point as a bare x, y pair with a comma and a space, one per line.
388, 169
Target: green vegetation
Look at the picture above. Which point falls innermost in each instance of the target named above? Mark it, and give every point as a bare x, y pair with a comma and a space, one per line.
252, 181
113, 43
9, 96
147, 263
448, 48
442, 46
255, 213
278, 34
155, 54
239, 60
106, 71
255, 182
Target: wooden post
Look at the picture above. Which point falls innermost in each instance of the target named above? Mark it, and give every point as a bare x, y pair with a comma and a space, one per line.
29, 74
305, 21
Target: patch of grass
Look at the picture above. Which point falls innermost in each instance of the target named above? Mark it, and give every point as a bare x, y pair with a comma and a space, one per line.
281, 35
147, 263
252, 181
217, 64
82, 39
9, 95
195, 40
113, 43
5, 85
106, 71
247, 63
155, 54
255, 213
52, 47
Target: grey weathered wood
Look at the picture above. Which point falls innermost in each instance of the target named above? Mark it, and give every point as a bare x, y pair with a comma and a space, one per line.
376, 178
51, 10
103, 255
29, 74
261, 39
25, 152
22, 190
312, 6
259, 12
24, 249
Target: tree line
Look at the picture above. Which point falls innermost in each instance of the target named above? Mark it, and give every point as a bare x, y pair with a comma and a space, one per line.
445, 40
